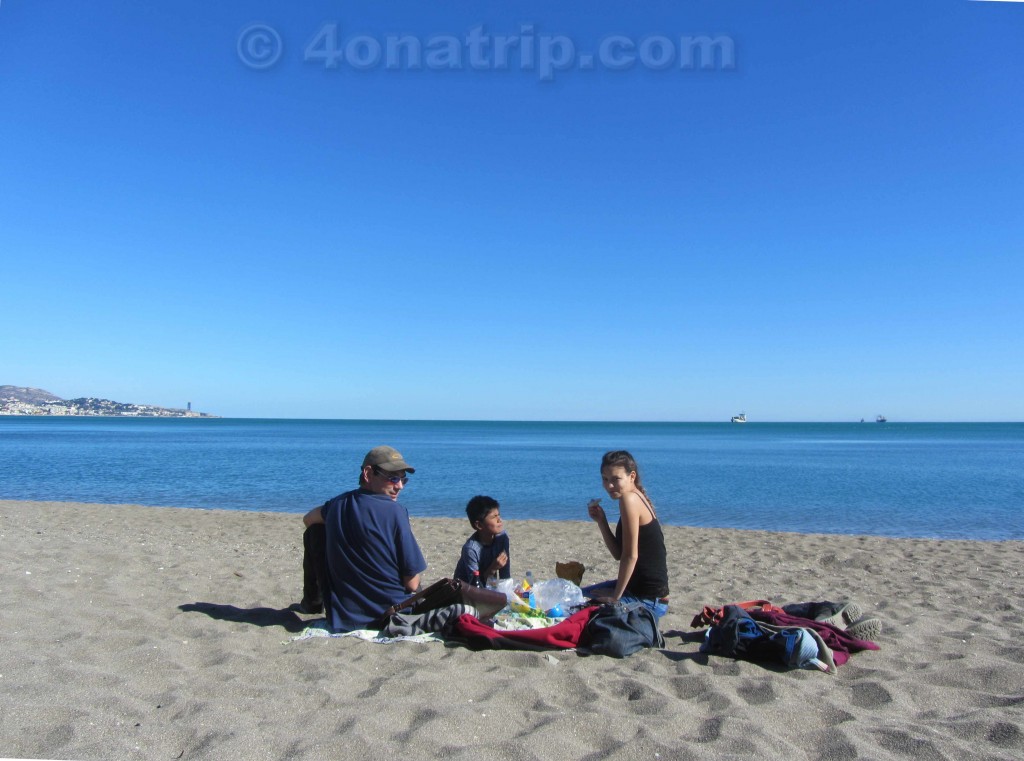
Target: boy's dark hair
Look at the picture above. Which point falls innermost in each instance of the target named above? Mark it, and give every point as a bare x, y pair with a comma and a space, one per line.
478, 508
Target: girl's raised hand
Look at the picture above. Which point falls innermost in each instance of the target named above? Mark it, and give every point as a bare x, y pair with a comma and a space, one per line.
595, 510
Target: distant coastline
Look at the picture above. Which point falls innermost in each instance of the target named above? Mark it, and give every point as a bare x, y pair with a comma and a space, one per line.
22, 400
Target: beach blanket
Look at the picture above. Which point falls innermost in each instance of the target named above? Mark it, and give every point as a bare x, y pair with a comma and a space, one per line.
319, 629
531, 628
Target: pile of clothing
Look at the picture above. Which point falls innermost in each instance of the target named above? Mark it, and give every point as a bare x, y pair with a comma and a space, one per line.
818, 635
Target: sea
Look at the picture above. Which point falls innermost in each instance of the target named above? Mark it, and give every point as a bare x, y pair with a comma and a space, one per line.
933, 480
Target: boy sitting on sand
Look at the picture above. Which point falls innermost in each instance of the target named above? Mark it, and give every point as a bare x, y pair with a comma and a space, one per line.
486, 552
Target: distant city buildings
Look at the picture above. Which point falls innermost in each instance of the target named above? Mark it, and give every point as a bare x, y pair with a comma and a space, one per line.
92, 407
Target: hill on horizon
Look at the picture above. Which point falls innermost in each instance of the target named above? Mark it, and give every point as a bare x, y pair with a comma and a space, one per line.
28, 395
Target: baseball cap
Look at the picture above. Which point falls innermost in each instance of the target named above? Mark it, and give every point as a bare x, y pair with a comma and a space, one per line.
387, 458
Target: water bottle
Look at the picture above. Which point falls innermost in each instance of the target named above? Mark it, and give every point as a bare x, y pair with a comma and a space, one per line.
492, 581
476, 579
528, 589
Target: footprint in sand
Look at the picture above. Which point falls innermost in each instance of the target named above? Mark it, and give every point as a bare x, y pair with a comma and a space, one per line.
1005, 735
373, 688
905, 744
710, 730
831, 716
641, 699
690, 687
834, 745
870, 695
60, 736
342, 728
757, 693
420, 720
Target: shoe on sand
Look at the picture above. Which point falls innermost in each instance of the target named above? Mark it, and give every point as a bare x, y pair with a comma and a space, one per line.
865, 628
846, 615
311, 606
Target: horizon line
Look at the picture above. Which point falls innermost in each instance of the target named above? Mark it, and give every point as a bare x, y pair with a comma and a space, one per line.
211, 416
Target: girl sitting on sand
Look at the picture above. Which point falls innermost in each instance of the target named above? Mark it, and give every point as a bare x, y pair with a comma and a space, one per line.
638, 543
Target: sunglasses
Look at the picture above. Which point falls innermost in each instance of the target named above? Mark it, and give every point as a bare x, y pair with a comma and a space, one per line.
392, 479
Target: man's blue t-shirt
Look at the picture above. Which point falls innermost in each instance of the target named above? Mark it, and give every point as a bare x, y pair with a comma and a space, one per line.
478, 557
370, 549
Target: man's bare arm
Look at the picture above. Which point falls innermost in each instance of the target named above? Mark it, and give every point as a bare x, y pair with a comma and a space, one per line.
411, 583
313, 516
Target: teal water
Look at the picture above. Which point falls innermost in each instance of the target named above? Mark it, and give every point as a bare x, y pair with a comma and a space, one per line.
961, 480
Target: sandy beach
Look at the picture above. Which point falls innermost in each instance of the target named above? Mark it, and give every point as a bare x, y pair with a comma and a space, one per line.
163, 633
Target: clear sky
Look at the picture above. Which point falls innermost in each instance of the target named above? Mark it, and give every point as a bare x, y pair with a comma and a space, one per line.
823, 221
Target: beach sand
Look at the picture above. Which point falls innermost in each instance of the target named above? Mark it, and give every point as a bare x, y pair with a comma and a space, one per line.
162, 633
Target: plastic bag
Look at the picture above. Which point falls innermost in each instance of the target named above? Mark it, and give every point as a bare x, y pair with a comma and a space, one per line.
507, 587
557, 593
515, 603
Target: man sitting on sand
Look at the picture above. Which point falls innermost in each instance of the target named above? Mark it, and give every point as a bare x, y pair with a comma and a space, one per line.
372, 558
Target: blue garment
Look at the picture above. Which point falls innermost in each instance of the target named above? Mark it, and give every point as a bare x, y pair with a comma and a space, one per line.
606, 588
370, 549
621, 629
478, 557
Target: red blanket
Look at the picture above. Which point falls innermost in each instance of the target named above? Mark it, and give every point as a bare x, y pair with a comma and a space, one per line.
565, 635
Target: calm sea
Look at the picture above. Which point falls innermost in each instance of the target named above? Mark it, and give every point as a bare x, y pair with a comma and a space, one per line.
916, 480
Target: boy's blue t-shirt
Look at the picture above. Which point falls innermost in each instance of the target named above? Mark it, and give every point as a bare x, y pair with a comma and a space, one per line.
478, 557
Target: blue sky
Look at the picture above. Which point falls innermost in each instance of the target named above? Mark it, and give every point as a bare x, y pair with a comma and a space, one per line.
829, 229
